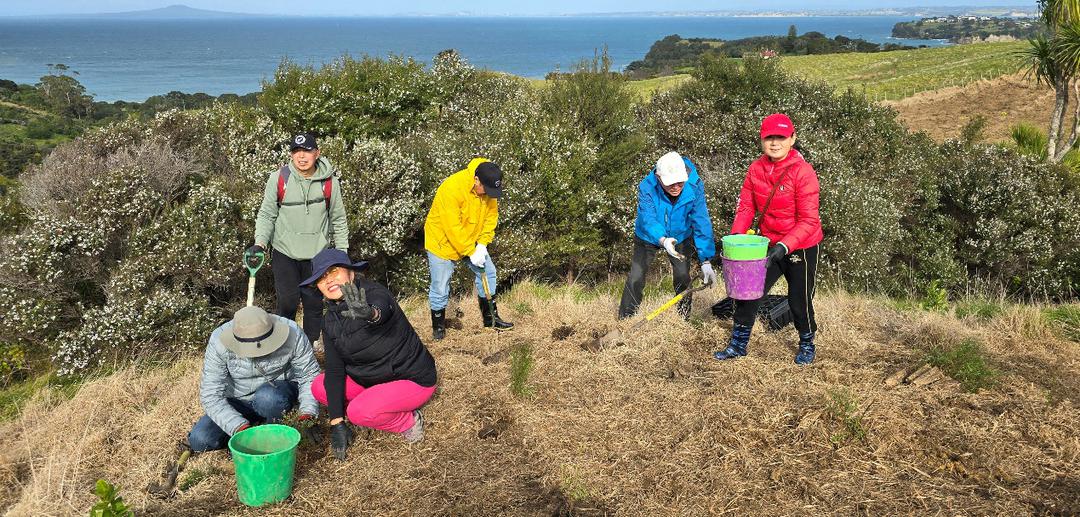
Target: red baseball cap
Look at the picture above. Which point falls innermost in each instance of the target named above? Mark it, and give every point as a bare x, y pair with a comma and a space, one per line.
777, 124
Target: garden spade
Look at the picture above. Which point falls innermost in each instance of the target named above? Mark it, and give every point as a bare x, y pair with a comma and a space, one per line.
253, 262
616, 335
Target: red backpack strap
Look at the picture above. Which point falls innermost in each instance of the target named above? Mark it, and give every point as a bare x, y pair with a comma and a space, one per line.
282, 180
327, 188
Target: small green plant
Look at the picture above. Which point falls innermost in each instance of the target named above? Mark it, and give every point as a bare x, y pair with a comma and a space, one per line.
573, 484
521, 365
982, 310
936, 298
197, 475
966, 362
523, 308
109, 504
843, 406
1066, 318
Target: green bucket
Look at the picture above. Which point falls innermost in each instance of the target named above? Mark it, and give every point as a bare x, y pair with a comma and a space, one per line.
745, 247
265, 458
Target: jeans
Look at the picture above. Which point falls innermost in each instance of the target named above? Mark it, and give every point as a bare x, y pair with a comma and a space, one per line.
441, 272
288, 273
644, 253
267, 405
799, 268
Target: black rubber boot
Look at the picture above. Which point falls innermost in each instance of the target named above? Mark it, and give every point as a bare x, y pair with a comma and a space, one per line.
490, 314
438, 323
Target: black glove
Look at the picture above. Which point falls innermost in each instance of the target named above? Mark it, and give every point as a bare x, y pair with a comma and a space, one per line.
254, 255
341, 436
356, 299
311, 431
777, 253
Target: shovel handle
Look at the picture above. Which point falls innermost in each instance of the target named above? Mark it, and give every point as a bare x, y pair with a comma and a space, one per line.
673, 301
251, 291
260, 259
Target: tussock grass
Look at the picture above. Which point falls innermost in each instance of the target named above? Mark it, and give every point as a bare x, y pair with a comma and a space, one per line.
1067, 319
966, 362
653, 426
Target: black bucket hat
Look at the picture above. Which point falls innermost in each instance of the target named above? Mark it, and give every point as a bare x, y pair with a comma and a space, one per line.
327, 259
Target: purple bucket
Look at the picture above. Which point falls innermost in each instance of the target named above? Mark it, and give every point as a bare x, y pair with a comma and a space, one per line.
745, 279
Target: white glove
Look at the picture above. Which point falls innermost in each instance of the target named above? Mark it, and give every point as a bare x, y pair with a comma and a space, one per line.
669, 246
479, 257
708, 276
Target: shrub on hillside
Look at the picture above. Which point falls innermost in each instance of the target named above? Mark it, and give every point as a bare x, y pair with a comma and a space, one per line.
134, 231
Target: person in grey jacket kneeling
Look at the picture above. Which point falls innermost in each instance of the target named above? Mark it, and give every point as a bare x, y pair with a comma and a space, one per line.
256, 367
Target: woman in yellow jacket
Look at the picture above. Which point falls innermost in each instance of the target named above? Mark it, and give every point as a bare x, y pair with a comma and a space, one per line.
461, 223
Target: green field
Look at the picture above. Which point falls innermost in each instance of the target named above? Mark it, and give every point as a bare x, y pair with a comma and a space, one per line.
646, 88
899, 74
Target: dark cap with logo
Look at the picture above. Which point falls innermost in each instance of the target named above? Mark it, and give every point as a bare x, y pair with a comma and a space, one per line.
303, 141
491, 178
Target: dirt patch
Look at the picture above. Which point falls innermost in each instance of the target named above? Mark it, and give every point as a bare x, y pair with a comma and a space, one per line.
562, 332
1005, 102
493, 427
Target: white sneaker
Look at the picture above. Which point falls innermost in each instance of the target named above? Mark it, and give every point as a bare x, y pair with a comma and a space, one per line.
415, 433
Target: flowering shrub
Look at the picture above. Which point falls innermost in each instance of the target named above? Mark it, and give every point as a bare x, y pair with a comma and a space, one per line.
129, 238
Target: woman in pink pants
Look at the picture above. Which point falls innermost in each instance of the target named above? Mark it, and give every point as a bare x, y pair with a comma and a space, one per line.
378, 372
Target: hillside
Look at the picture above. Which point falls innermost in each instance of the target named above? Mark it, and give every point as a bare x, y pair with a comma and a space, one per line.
651, 427
900, 74
1004, 102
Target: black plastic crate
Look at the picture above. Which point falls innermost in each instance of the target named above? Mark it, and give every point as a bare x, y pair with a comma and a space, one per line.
774, 310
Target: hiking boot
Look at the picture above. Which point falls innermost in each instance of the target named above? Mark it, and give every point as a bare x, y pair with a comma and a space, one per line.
806, 349
438, 324
740, 338
490, 313
415, 433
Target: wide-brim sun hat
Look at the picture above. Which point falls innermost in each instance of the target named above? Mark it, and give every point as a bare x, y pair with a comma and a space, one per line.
327, 259
254, 333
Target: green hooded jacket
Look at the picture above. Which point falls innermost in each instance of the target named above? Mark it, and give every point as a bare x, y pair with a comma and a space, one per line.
300, 228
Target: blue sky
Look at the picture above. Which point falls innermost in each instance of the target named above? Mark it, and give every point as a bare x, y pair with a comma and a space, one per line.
494, 7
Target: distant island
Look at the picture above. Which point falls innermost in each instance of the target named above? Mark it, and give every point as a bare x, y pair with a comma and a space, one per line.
669, 55
969, 29
172, 12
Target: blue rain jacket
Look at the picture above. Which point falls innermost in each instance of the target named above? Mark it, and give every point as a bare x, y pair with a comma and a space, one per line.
688, 216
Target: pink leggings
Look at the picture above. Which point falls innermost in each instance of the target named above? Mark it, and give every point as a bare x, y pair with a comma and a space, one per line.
386, 407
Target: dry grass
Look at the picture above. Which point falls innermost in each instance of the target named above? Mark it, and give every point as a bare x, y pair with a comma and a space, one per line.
651, 427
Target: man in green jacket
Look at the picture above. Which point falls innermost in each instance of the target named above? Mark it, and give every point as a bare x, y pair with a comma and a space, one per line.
301, 214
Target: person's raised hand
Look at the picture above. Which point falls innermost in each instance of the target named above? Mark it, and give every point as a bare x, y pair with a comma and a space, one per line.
356, 300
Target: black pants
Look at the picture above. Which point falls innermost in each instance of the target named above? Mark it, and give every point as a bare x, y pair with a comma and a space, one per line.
799, 268
288, 273
644, 253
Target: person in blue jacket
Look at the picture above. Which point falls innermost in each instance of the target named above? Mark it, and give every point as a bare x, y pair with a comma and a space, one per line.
671, 216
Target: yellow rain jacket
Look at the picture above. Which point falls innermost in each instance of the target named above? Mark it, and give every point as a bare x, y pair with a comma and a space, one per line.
459, 219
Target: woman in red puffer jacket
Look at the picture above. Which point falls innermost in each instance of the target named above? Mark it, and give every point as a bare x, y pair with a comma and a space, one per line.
790, 220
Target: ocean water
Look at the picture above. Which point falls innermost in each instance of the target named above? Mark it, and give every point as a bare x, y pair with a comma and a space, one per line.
135, 59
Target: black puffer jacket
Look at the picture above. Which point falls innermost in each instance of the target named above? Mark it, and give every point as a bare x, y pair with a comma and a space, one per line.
376, 352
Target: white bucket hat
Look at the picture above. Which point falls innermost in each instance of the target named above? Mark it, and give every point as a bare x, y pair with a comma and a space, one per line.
254, 333
670, 168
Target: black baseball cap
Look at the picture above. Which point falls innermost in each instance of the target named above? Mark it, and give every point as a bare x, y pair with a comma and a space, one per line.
491, 178
303, 141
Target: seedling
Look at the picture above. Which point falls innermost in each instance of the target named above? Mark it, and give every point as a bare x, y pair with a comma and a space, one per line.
965, 362
521, 365
844, 408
